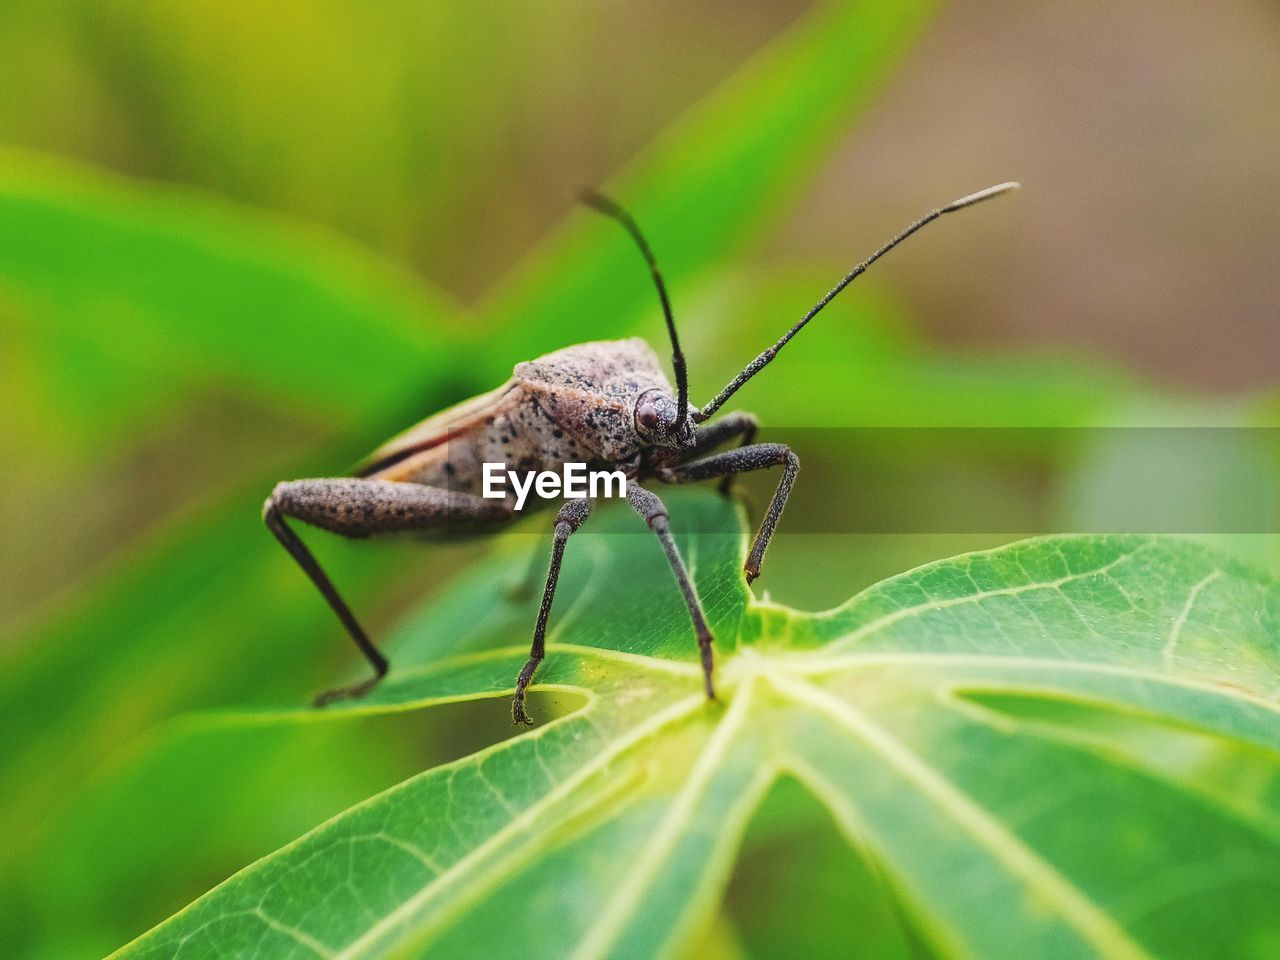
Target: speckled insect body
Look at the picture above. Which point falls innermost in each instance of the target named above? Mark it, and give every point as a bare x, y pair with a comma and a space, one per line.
604, 404
576, 405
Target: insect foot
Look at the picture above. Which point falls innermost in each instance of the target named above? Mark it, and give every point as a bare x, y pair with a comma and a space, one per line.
353, 692
519, 716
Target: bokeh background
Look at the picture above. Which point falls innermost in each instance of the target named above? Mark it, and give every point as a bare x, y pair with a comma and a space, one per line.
242, 243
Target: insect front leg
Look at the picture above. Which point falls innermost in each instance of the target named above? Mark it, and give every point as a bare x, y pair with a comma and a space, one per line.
731, 425
758, 456
356, 507
571, 516
650, 506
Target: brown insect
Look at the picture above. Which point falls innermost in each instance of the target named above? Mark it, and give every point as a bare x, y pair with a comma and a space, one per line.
605, 404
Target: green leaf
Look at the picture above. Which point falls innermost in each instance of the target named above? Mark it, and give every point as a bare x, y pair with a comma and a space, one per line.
121, 298
795, 893
1063, 748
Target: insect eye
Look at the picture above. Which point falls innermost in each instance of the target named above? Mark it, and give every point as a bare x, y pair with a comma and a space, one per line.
647, 417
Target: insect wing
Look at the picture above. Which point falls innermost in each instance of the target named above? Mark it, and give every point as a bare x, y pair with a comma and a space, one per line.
432, 432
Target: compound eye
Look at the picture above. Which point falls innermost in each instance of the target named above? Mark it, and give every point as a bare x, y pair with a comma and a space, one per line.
647, 417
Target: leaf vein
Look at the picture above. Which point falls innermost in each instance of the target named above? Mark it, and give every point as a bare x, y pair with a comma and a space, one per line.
887, 620
1077, 909
1175, 634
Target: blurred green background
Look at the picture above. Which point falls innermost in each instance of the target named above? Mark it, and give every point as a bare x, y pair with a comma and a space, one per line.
241, 244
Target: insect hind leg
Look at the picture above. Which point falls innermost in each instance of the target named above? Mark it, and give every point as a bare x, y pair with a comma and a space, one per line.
355, 507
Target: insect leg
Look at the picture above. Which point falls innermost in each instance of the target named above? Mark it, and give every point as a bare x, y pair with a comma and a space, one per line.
650, 506
712, 435
571, 516
356, 507
758, 456
731, 425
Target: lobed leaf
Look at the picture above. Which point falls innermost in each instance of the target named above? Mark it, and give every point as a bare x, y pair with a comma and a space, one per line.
1081, 730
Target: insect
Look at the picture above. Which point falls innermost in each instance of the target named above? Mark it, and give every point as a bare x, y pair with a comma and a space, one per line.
607, 404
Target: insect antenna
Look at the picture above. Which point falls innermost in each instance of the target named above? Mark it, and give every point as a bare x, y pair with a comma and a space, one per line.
604, 205
762, 361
